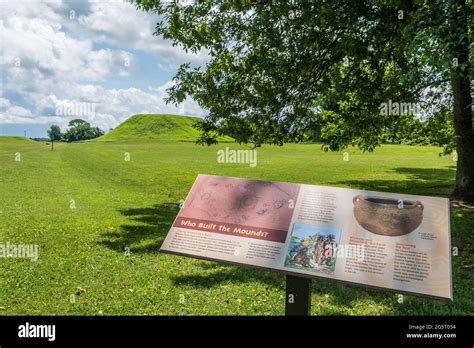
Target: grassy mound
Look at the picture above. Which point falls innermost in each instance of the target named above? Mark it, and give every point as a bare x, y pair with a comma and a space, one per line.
13, 139
154, 127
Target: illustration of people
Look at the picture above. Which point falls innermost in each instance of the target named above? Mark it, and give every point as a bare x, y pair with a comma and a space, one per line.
318, 251
315, 251
300, 255
329, 246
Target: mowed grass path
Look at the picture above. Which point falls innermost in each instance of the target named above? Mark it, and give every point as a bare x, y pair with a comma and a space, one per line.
83, 268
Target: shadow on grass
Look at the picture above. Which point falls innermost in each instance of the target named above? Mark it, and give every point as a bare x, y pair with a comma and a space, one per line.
335, 298
418, 181
149, 226
215, 273
329, 297
145, 232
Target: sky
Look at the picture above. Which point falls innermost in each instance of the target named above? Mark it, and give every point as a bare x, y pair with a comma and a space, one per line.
97, 60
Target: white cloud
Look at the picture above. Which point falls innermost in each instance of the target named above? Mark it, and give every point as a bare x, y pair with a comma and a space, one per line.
18, 111
50, 55
16, 114
110, 106
123, 25
39, 47
4, 103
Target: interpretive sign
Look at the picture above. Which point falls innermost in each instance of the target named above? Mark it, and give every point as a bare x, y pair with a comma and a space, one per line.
392, 241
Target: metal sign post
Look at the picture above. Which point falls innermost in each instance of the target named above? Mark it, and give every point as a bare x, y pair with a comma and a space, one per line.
298, 295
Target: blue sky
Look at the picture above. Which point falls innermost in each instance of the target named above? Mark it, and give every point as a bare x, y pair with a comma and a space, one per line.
96, 60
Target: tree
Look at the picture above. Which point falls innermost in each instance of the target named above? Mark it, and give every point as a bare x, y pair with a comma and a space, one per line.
54, 134
279, 68
81, 130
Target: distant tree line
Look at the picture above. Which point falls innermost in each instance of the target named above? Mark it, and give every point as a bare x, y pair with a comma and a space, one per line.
78, 130
407, 129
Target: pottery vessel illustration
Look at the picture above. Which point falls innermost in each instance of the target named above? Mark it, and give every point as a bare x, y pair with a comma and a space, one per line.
386, 216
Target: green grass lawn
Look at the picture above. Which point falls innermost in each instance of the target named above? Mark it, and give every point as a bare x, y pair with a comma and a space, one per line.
83, 268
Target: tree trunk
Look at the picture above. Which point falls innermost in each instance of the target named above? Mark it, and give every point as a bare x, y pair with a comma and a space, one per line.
463, 116
52, 145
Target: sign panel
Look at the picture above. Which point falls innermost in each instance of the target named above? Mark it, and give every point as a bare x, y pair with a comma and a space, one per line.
393, 241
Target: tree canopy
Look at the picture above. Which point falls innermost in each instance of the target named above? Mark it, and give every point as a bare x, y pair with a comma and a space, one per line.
81, 130
280, 68
54, 133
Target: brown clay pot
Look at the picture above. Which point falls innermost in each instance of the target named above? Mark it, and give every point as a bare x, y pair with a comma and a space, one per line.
381, 215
